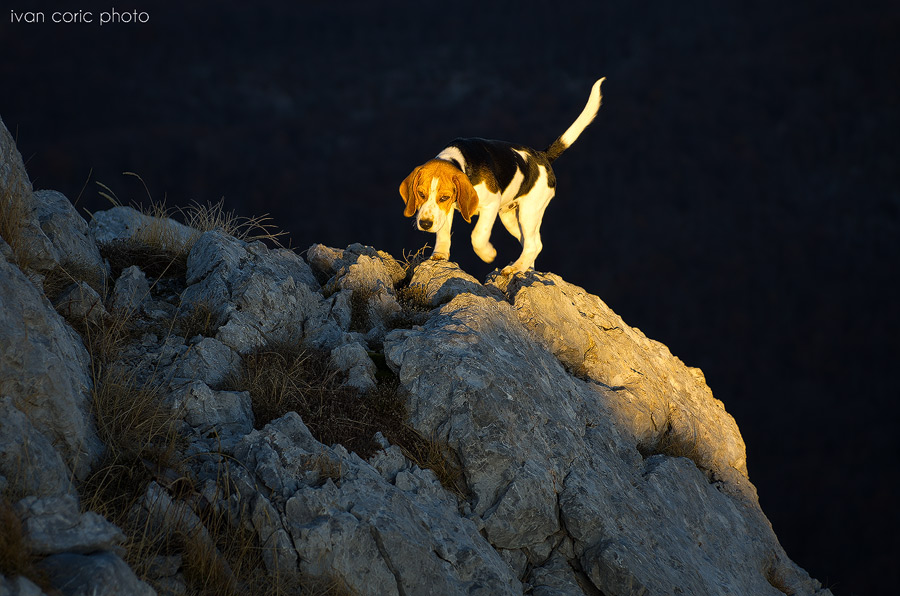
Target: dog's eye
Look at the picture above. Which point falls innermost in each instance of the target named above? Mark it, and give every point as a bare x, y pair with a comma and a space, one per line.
444, 198
421, 194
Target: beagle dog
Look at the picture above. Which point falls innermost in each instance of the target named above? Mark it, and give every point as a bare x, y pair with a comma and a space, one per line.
490, 178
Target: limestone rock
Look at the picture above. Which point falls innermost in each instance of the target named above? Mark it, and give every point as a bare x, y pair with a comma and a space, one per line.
68, 232
224, 413
164, 572
353, 359
324, 260
441, 280
169, 517
49, 233
263, 296
505, 405
46, 376
27, 458
348, 523
207, 360
551, 464
660, 400
56, 525
31, 248
556, 578
131, 290
593, 460
123, 223
80, 302
19, 586
356, 267
6, 252
100, 574
363, 280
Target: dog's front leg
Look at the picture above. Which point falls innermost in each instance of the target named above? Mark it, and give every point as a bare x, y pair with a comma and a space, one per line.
442, 240
481, 233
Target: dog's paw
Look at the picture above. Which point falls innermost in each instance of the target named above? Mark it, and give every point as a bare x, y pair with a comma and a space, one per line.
513, 269
486, 253
440, 256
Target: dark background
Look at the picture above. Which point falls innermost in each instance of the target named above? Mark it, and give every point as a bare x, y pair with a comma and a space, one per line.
737, 198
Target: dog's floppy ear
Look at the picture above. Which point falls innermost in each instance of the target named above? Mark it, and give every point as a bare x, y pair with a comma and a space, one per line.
408, 192
466, 198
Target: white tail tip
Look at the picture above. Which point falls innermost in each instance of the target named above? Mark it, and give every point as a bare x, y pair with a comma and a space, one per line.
587, 115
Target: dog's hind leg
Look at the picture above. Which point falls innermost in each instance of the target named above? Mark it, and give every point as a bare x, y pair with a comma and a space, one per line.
528, 223
510, 219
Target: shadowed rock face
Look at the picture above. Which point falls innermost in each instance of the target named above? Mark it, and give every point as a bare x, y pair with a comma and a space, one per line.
43, 364
591, 458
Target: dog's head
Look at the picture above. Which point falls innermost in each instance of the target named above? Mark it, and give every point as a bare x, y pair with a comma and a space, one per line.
431, 191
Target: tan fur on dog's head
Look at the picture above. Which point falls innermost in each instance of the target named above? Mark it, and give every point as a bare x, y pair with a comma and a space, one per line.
452, 186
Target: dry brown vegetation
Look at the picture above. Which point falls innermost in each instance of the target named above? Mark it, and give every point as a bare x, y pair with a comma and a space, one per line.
61, 277
415, 307
289, 378
413, 299
143, 445
212, 216
286, 378
198, 319
159, 251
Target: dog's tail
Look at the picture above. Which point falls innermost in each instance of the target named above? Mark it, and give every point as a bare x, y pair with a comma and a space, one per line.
566, 139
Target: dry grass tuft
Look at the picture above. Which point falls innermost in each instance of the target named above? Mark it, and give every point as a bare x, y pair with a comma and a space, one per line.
326, 467
106, 339
143, 444
137, 427
412, 299
673, 441
414, 259
205, 568
156, 248
281, 379
159, 233
415, 307
360, 319
61, 277
152, 256
229, 559
198, 320
674, 445
441, 459
160, 252
235, 566
219, 556
132, 420
212, 216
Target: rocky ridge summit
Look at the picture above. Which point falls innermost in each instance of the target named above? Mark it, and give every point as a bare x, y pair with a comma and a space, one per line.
574, 454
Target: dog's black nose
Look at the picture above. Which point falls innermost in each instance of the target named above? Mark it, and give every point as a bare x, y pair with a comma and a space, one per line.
425, 224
